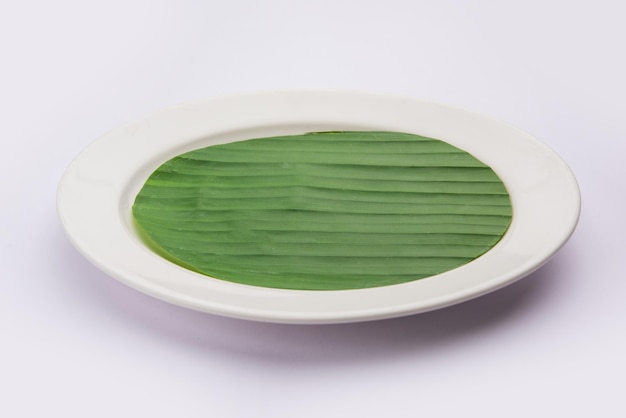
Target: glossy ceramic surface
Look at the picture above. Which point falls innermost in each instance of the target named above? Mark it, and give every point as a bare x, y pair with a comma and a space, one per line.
96, 194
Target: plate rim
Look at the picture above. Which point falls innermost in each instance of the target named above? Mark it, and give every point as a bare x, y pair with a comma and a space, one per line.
86, 175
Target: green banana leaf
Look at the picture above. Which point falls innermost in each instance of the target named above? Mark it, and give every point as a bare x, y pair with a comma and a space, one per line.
324, 211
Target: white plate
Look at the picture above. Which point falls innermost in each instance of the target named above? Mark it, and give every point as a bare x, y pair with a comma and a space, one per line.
97, 191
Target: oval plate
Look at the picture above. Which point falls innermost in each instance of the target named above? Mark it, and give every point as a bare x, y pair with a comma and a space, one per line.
97, 191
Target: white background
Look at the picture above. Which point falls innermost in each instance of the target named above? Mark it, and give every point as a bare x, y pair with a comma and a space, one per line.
76, 343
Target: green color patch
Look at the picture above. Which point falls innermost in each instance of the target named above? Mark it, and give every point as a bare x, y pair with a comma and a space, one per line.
324, 211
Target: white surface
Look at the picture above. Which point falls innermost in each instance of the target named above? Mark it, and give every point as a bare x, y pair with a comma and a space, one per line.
95, 201
78, 343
